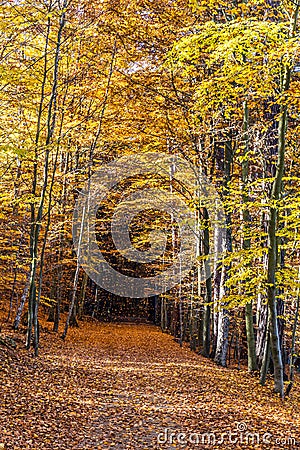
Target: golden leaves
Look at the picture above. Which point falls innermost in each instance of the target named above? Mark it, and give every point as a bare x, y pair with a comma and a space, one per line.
114, 385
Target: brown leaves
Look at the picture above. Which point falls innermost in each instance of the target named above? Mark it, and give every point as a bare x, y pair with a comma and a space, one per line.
119, 386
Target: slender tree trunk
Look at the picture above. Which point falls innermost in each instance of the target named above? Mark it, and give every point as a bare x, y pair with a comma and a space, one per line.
266, 356
216, 291
252, 364
181, 312
64, 169
74, 293
82, 296
72, 319
261, 335
33, 249
294, 334
192, 318
272, 263
272, 229
208, 284
22, 304
51, 118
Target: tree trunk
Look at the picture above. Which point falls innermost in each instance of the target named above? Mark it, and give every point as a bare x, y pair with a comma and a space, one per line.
294, 333
37, 219
272, 229
22, 304
208, 284
223, 327
223, 320
252, 365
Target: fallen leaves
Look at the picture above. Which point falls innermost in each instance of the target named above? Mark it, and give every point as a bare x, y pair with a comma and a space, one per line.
119, 386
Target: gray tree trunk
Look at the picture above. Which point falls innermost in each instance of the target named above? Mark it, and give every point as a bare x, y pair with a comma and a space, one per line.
223, 319
252, 365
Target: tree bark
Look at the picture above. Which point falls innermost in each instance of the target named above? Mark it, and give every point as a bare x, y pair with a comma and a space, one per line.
252, 364
208, 285
223, 319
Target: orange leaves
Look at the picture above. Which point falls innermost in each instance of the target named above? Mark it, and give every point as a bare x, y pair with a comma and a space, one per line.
119, 386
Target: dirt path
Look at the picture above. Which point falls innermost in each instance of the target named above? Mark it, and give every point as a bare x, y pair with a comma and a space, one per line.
130, 387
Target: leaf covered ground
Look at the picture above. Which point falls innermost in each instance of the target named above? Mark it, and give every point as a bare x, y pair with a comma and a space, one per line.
129, 386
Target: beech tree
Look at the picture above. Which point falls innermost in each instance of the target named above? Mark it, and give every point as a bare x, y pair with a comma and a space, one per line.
215, 82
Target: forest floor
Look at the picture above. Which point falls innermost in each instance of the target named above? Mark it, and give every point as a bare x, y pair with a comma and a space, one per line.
129, 386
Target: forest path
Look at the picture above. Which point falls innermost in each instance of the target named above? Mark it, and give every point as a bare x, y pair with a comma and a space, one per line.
128, 386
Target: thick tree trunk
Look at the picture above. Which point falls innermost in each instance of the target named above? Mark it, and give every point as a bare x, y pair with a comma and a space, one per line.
223, 327
223, 319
